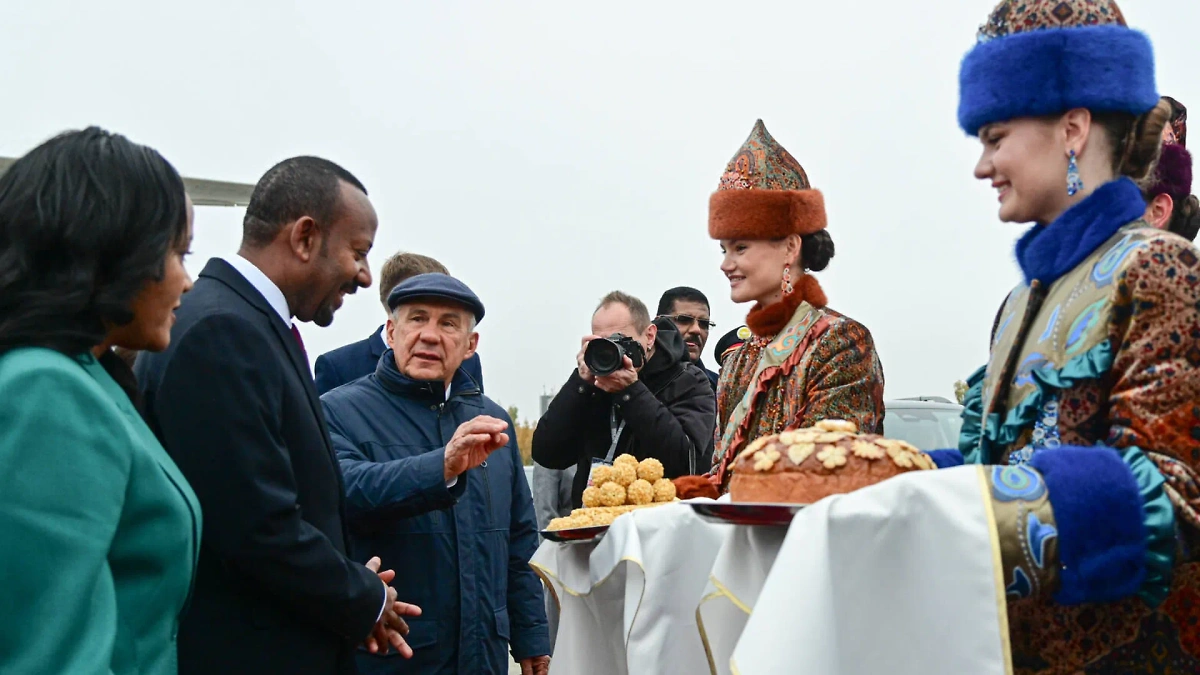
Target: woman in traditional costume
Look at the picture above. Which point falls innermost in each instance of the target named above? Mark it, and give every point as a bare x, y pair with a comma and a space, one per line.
803, 362
1089, 407
1170, 204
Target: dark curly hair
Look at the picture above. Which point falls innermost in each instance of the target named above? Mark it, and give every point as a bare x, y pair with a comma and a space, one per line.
86, 219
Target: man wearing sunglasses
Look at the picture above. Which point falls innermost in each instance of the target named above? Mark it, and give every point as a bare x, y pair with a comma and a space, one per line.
689, 309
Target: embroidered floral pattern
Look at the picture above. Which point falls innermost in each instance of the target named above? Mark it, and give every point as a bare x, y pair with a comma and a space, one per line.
1028, 536
1149, 397
1018, 16
763, 164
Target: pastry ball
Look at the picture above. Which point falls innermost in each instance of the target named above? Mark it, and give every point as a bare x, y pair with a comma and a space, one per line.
664, 490
612, 494
591, 496
626, 459
601, 474
559, 524
624, 474
650, 470
640, 492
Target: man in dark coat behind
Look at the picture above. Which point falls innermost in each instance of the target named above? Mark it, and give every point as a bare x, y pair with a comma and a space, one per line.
689, 309
358, 359
233, 402
435, 485
663, 409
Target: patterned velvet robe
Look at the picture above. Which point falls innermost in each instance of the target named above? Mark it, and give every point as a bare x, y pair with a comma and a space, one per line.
1107, 355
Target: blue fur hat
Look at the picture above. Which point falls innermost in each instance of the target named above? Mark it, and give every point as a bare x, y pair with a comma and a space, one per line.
1040, 57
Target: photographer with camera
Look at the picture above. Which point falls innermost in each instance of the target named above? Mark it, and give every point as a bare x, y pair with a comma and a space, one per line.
634, 390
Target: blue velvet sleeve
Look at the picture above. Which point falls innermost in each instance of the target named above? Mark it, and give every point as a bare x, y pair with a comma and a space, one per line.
946, 458
1115, 523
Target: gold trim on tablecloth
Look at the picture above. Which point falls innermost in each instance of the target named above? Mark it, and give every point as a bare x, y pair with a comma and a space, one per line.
712, 665
722, 591
543, 571
985, 489
545, 577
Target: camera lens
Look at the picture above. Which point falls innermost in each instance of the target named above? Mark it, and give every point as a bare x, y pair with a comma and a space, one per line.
603, 356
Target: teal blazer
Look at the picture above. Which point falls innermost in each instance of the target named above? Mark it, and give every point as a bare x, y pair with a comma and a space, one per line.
99, 531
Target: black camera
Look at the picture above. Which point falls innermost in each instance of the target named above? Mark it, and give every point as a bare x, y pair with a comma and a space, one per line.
605, 356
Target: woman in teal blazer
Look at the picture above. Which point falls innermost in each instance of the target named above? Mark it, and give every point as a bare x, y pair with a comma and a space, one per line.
99, 531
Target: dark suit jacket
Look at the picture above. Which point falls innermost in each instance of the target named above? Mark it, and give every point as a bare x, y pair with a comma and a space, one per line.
359, 359
232, 401
348, 363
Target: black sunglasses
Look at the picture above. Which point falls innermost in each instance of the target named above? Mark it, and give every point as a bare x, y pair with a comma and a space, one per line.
686, 320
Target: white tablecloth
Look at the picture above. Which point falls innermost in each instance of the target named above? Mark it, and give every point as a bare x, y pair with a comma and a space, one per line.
737, 577
628, 602
899, 578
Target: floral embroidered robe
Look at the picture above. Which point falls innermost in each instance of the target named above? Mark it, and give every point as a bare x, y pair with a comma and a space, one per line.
1109, 354
822, 365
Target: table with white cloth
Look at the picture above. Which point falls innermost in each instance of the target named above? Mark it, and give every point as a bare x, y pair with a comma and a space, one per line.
902, 577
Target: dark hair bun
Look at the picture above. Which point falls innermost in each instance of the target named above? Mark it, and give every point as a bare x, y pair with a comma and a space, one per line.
1185, 222
816, 250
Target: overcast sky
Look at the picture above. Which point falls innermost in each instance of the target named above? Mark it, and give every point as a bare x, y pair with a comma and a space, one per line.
549, 152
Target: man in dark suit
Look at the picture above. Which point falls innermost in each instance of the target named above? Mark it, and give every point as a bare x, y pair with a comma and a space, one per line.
234, 404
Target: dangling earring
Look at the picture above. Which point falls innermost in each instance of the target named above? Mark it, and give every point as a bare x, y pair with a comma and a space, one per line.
787, 280
1074, 182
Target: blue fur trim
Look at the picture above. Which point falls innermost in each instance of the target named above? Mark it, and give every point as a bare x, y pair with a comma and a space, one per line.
1098, 510
946, 458
1044, 72
1046, 252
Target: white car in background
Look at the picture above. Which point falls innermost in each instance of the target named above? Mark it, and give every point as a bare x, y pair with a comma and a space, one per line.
928, 422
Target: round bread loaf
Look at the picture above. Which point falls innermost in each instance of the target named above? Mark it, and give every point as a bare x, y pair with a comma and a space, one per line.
806, 465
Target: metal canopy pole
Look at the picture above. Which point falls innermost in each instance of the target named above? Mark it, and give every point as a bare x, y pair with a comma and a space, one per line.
202, 191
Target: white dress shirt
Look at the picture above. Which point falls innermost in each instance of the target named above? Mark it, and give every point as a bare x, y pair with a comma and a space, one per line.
275, 298
264, 286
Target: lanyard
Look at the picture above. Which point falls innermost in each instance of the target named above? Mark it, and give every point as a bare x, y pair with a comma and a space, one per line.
615, 430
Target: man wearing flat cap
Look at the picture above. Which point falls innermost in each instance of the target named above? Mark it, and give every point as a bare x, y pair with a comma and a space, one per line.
435, 486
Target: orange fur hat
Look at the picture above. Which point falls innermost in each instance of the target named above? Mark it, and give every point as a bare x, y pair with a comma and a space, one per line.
764, 194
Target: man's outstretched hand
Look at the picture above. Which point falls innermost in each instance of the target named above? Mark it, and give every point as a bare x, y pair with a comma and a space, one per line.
473, 442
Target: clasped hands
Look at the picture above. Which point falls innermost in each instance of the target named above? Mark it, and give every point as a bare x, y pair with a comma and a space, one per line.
472, 443
390, 630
